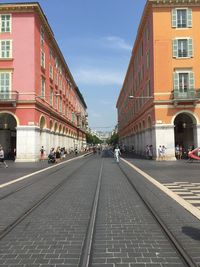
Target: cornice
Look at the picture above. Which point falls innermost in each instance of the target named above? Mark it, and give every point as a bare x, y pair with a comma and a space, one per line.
36, 8
159, 3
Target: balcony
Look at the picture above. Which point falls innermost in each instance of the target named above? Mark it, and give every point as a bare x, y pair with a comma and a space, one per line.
9, 98
191, 95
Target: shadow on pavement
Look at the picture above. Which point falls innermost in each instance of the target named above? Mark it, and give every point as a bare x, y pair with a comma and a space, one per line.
194, 233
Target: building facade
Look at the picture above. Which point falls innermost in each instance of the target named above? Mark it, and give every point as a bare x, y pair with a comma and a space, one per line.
40, 103
159, 103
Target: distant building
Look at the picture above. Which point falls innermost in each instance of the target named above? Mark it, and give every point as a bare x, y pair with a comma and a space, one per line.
40, 103
159, 103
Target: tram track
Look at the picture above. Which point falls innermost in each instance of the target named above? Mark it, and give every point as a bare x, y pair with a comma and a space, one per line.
58, 168
184, 256
47, 195
86, 250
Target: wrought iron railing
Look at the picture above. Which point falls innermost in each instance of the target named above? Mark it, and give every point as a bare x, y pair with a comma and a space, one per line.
190, 94
6, 97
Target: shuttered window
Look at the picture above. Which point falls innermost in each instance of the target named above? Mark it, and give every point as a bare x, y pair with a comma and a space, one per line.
183, 81
182, 48
182, 18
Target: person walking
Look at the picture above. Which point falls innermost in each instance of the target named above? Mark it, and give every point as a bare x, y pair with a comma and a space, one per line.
42, 153
160, 153
117, 153
2, 157
163, 152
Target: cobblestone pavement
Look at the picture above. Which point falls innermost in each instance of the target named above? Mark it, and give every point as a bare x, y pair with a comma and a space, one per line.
184, 226
53, 234
126, 235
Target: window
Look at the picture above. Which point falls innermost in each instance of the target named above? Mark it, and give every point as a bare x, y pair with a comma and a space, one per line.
42, 36
182, 18
182, 48
73, 117
42, 59
51, 71
57, 102
50, 53
5, 85
43, 87
5, 49
51, 96
61, 104
5, 23
183, 81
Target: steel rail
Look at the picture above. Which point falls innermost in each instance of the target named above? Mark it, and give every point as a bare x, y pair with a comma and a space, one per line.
20, 218
87, 246
36, 180
187, 260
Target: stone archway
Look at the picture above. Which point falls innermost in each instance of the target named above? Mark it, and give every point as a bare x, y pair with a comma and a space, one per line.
8, 124
185, 126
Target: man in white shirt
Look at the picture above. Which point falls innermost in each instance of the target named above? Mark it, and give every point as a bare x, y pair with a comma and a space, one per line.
117, 153
2, 157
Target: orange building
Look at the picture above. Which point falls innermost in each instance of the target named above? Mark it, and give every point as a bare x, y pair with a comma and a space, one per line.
159, 103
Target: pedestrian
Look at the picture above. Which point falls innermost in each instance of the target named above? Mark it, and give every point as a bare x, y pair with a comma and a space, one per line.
147, 151
2, 157
150, 152
163, 152
42, 153
58, 154
117, 153
160, 151
177, 151
76, 151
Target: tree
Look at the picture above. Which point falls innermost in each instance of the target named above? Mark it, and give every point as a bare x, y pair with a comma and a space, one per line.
92, 139
114, 139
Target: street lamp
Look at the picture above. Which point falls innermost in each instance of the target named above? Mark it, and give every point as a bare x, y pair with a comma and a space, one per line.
139, 97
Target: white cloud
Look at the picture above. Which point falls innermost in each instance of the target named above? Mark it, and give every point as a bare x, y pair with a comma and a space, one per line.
116, 42
99, 77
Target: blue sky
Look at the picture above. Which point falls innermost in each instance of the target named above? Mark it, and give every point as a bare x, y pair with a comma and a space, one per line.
96, 38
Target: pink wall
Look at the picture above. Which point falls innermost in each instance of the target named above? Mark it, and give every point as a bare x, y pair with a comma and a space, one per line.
23, 51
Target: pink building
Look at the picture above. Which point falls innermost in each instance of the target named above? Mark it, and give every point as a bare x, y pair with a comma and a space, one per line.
40, 103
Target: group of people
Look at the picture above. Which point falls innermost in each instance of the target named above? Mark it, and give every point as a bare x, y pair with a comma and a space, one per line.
2, 157
161, 152
181, 152
55, 155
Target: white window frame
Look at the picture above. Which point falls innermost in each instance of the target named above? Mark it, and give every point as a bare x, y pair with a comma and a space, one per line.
10, 51
42, 59
10, 26
9, 86
187, 71
42, 36
51, 71
188, 51
51, 96
43, 87
187, 10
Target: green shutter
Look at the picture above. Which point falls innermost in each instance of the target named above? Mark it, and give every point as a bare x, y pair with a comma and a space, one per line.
175, 48
174, 18
176, 83
189, 17
191, 80
190, 48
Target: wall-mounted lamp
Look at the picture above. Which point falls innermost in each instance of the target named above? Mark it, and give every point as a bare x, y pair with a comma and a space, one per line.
136, 97
184, 125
